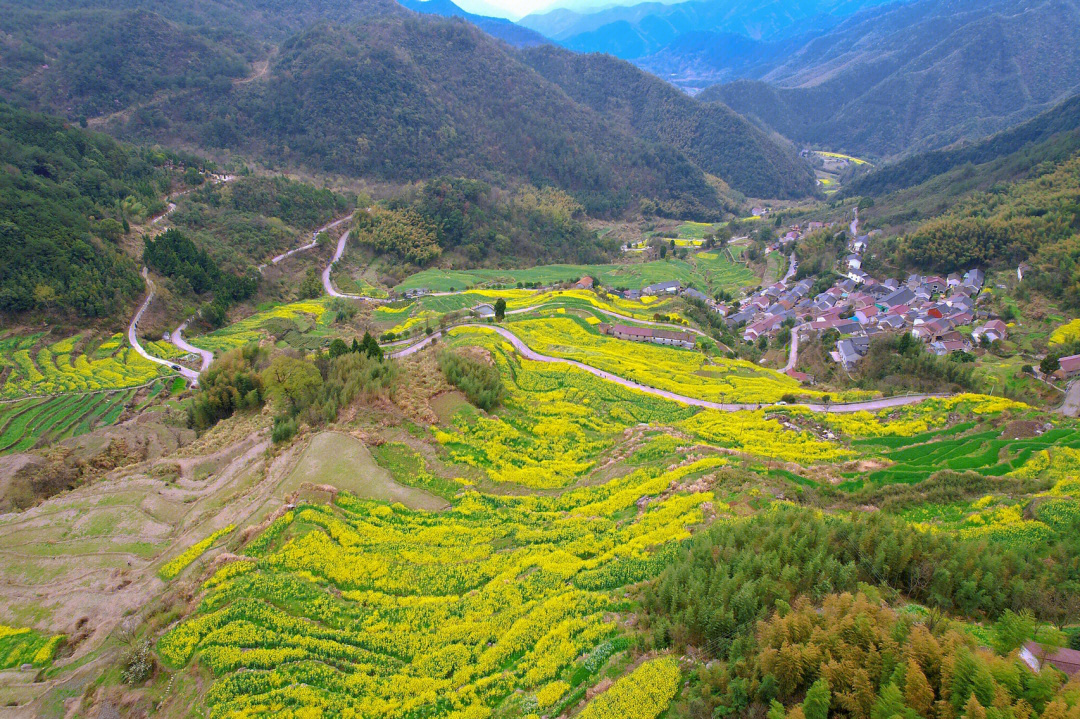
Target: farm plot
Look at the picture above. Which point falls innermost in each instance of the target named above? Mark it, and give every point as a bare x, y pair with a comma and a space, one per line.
290, 320
73, 364
632, 275
427, 310
983, 452
367, 609
27, 423
20, 645
560, 421
686, 372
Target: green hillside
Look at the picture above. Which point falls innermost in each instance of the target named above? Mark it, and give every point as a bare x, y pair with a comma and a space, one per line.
65, 198
715, 138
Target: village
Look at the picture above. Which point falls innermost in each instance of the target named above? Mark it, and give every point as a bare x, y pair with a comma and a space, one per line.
940, 311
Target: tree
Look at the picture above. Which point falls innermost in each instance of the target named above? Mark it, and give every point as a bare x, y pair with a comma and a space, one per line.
917, 691
1050, 364
1011, 630
890, 703
338, 348
974, 710
291, 381
370, 347
818, 697
500, 309
311, 286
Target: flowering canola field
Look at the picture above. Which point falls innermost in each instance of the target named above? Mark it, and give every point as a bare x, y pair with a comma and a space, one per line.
686, 372
70, 365
363, 609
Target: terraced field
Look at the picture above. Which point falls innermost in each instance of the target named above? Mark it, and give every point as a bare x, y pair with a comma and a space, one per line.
360, 608
25, 424
75, 364
291, 322
405, 317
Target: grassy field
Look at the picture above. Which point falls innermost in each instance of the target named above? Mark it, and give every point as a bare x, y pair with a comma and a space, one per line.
634, 275
342, 461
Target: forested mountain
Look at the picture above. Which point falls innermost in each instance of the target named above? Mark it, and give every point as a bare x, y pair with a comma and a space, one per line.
919, 76
411, 98
381, 92
66, 196
721, 142
1051, 137
1036, 220
96, 62
501, 28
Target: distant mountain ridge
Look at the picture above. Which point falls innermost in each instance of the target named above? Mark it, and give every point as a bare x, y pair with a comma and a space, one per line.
919, 76
635, 31
505, 30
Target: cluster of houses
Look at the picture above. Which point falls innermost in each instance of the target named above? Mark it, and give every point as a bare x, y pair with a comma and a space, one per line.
859, 307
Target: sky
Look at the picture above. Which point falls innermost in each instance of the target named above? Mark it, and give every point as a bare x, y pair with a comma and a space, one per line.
517, 9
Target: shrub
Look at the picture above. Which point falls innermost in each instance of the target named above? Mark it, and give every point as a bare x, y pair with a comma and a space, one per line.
480, 382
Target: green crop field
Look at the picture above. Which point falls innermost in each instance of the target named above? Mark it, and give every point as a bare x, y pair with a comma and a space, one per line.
27, 423
714, 273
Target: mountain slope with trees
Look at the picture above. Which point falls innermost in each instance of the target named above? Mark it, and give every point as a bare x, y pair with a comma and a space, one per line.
66, 197
919, 76
721, 142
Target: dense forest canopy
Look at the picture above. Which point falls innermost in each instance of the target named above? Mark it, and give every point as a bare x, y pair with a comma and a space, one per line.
65, 197
475, 224
246, 221
1037, 220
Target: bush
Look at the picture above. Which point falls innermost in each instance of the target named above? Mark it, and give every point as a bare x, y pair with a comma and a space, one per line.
480, 382
138, 664
231, 384
284, 429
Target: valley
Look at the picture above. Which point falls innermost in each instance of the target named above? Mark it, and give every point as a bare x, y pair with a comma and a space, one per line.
389, 360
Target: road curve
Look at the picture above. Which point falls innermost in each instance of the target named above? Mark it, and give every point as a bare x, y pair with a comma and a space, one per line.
133, 338
528, 353
329, 286
314, 241
177, 338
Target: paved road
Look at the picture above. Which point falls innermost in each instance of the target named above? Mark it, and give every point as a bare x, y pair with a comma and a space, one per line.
855, 225
133, 338
329, 286
177, 338
526, 352
792, 268
308, 246
793, 353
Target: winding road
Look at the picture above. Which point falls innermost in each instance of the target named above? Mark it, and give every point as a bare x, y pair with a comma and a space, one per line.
133, 337
177, 338
314, 241
528, 353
